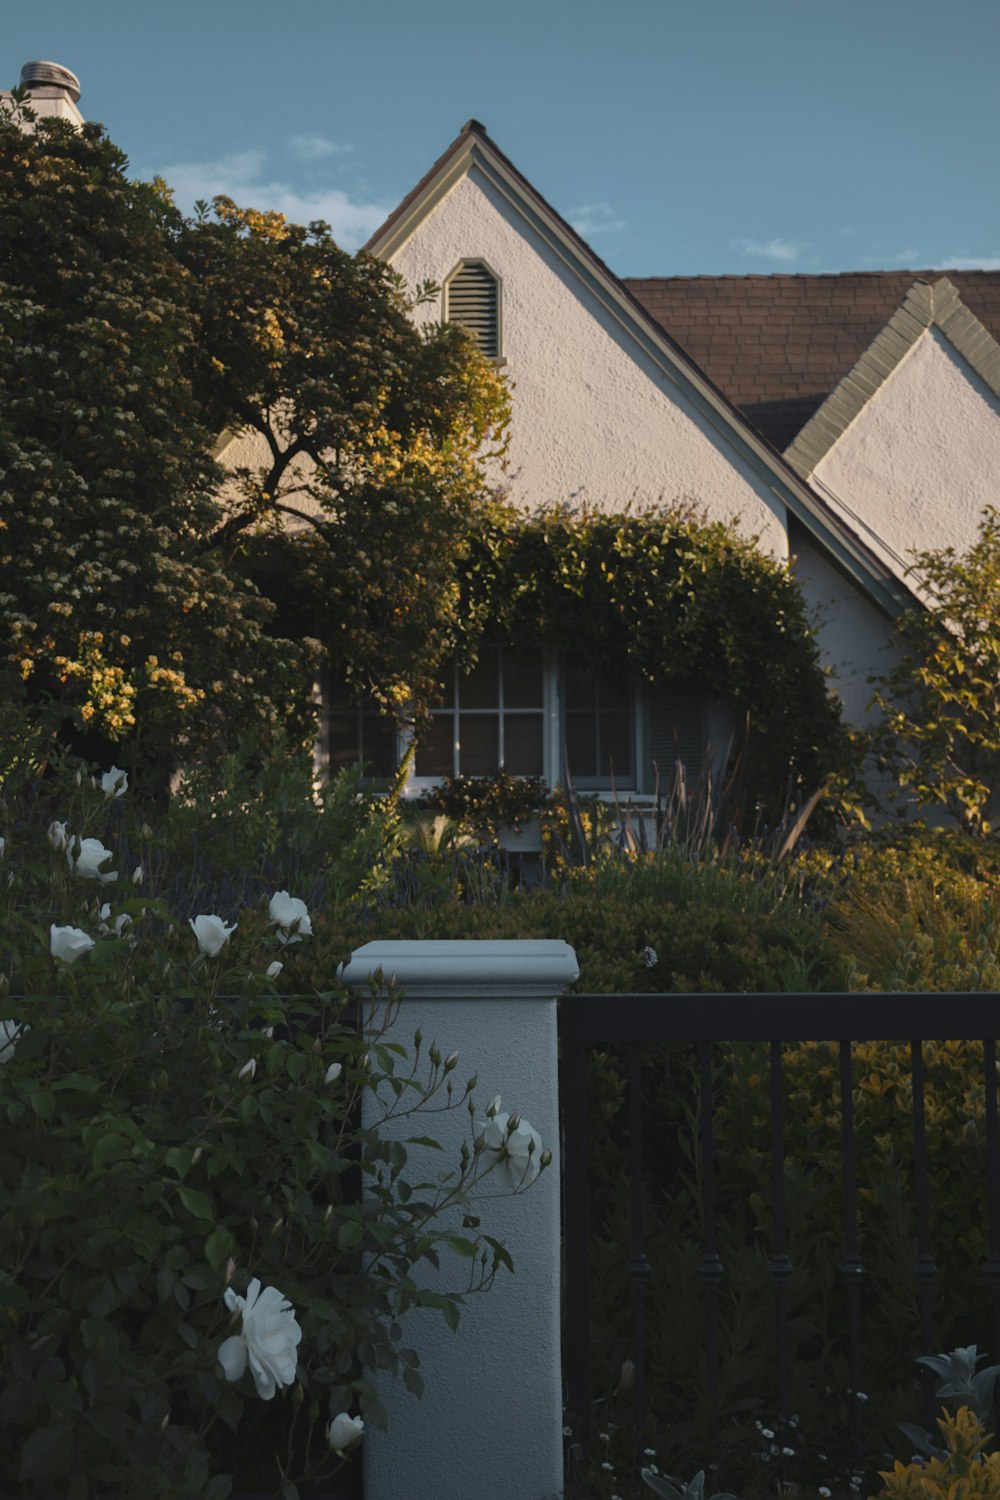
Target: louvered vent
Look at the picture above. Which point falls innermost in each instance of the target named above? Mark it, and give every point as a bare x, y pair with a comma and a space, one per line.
473, 300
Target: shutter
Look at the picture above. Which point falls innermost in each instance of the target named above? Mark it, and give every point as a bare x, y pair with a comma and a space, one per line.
473, 301
675, 731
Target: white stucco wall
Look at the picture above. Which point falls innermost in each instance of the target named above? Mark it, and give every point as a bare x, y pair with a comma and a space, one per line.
594, 419
853, 636
922, 458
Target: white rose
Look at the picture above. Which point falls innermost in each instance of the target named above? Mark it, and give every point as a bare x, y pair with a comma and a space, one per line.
114, 783
333, 1072
57, 835
248, 1069
511, 1146
269, 1339
212, 933
68, 943
273, 970
9, 1033
286, 911
85, 858
343, 1431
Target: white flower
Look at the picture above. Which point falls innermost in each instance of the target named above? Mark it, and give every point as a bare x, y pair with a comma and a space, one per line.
122, 921
114, 783
58, 837
511, 1145
3, 844
273, 970
269, 1338
333, 1072
285, 912
90, 855
137, 875
68, 943
248, 1069
9, 1033
211, 932
650, 957
343, 1431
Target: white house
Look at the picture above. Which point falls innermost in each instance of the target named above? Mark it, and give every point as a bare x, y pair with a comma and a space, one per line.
843, 420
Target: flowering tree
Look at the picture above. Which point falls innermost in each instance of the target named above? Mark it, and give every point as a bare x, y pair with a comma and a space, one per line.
370, 434
137, 605
116, 619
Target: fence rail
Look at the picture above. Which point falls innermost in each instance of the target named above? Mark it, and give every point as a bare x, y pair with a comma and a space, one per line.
705, 1021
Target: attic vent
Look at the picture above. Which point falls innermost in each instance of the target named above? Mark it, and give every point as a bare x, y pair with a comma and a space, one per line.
472, 298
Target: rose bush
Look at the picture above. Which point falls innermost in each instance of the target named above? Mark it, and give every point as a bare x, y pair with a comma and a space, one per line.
203, 1255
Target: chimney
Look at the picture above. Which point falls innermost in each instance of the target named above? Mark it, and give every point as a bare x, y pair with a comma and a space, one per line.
54, 90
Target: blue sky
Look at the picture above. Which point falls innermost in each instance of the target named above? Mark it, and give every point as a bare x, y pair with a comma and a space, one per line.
707, 136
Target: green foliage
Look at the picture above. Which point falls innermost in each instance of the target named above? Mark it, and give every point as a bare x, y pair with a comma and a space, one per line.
485, 805
965, 1471
668, 596
941, 704
176, 1122
371, 433
921, 915
116, 620
694, 1490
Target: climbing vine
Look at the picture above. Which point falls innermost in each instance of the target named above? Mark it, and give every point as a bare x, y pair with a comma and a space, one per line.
667, 596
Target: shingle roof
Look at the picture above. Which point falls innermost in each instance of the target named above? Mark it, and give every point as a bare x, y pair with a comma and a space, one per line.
777, 345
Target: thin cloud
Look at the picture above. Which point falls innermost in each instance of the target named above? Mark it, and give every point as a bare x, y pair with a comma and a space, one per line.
971, 263
595, 218
242, 176
785, 252
315, 147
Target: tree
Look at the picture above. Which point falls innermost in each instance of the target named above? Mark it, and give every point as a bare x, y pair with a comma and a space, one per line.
941, 704
133, 587
370, 434
118, 622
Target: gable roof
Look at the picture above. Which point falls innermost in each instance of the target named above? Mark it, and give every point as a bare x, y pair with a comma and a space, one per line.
778, 345
473, 147
937, 305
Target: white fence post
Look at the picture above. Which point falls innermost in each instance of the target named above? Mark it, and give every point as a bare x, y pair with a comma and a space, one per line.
490, 1421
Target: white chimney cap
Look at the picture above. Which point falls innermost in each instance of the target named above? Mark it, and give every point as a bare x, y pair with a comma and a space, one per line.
51, 75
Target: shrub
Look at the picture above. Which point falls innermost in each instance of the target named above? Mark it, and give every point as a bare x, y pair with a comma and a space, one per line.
176, 1130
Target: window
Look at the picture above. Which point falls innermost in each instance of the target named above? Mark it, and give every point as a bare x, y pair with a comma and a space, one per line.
599, 715
622, 731
472, 299
493, 719
353, 733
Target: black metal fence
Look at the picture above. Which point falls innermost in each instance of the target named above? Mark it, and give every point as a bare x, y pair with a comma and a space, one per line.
625, 1023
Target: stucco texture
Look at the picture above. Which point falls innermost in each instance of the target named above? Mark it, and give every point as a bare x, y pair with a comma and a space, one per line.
921, 459
595, 419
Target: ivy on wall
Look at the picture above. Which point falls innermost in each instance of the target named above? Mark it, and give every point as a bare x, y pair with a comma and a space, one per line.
667, 596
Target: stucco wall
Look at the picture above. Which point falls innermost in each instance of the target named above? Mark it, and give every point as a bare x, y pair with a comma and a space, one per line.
594, 419
853, 636
922, 458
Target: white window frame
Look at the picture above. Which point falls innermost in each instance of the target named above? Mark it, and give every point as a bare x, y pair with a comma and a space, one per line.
549, 712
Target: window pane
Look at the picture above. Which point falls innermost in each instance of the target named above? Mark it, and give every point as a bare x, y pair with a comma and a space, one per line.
479, 749
435, 754
480, 688
522, 679
522, 744
580, 685
379, 745
345, 745
614, 690
581, 744
616, 746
